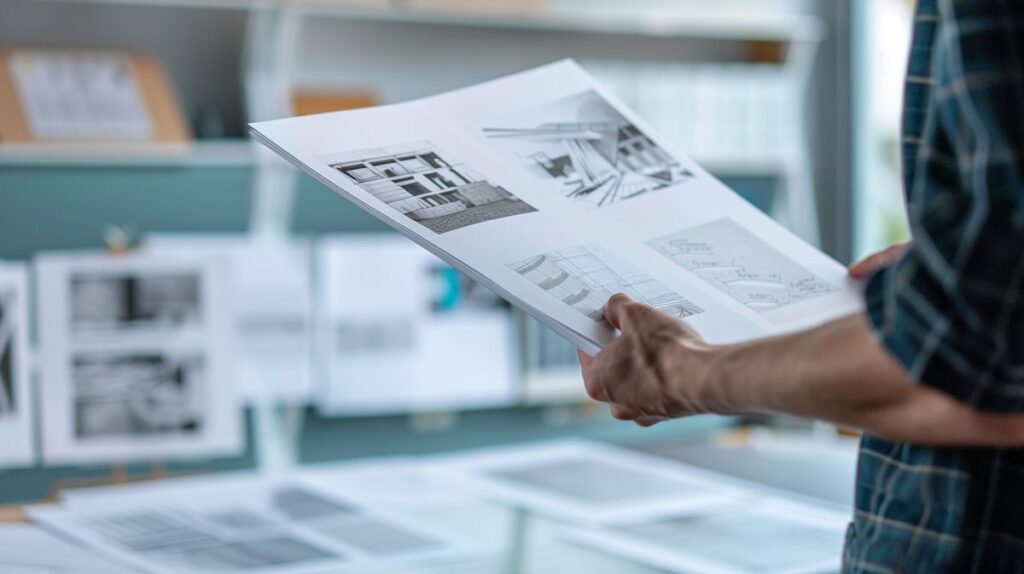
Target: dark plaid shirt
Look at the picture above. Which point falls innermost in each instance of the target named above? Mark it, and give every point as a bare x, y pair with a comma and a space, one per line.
951, 311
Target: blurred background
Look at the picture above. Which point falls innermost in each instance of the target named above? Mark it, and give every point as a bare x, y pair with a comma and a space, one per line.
793, 103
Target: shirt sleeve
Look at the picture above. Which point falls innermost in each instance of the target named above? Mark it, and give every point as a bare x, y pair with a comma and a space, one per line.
951, 311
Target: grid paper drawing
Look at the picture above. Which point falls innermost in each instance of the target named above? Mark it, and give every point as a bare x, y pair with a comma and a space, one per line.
598, 155
742, 266
585, 277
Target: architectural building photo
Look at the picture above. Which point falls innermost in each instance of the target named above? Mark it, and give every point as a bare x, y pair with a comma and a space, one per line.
429, 187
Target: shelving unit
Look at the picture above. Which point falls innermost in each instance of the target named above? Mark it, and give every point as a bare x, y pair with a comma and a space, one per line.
198, 154
284, 44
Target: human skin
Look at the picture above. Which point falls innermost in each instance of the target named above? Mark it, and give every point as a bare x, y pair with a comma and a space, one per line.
659, 369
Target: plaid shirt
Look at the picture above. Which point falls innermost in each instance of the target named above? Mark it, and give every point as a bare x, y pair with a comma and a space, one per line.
951, 310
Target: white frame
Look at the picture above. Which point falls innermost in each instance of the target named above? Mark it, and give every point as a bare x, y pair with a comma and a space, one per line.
221, 432
17, 447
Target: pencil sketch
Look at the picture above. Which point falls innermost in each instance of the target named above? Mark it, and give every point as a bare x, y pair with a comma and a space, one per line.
742, 266
8, 332
105, 302
585, 277
583, 142
137, 394
428, 186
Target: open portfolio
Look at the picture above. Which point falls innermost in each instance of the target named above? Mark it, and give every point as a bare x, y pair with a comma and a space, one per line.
547, 190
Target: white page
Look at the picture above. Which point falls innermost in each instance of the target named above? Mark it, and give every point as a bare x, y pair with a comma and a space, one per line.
79, 95
245, 523
383, 347
272, 291
26, 549
588, 482
17, 411
552, 214
759, 536
136, 357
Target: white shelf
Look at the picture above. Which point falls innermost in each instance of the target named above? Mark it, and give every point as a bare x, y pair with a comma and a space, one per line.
720, 21
201, 154
620, 18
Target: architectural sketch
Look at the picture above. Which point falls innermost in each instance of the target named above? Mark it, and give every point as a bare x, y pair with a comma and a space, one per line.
585, 277
742, 266
428, 185
584, 143
103, 302
7, 336
132, 394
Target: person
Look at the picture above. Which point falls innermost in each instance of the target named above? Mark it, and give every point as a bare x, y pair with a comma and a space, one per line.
933, 371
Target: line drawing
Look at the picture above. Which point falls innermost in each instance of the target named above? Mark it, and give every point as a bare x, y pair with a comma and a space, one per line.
598, 155
428, 186
740, 265
584, 277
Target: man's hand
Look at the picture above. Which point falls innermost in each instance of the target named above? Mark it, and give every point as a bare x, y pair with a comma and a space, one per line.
874, 263
654, 370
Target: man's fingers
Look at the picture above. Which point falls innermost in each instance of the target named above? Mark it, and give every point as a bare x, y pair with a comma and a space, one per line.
616, 311
649, 421
623, 413
873, 263
591, 382
585, 360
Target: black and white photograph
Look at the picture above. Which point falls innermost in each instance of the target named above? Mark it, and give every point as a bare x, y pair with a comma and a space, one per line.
137, 394
428, 185
105, 302
596, 154
8, 331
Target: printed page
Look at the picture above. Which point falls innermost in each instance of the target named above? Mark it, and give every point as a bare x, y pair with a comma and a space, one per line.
273, 309
392, 313
28, 549
245, 524
545, 189
589, 482
16, 405
765, 535
577, 142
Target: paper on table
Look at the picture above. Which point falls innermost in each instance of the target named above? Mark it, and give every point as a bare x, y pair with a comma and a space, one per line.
17, 411
762, 536
589, 482
245, 523
272, 292
387, 341
544, 188
26, 549
136, 357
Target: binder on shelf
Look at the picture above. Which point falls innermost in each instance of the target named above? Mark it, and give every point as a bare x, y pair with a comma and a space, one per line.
88, 101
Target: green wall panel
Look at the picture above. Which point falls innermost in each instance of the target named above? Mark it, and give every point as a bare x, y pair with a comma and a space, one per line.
67, 208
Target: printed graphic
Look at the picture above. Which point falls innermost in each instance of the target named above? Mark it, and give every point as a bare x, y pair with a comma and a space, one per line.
585, 277
597, 155
428, 186
742, 266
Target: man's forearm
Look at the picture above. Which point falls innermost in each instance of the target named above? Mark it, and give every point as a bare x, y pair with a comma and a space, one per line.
839, 373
